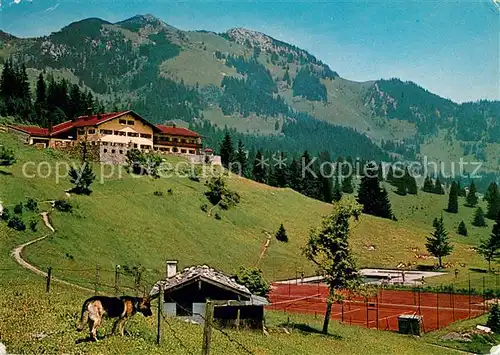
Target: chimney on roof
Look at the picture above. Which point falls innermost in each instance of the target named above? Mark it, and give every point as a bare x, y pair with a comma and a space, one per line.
171, 268
89, 113
50, 128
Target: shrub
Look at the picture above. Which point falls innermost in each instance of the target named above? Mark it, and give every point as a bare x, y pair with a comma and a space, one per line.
18, 209
33, 224
5, 214
63, 206
204, 207
32, 204
7, 157
82, 179
462, 229
195, 178
494, 319
281, 234
158, 193
217, 215
252, 278
170, 191
219, 194
17, 224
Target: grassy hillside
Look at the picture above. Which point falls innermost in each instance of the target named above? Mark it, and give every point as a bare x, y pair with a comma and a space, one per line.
123, 223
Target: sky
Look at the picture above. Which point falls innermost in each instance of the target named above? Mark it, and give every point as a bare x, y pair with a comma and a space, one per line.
451, 48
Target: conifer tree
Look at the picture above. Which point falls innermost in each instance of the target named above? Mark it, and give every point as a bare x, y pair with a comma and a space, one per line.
494, 319
347, 186
462, 229
311, 185
241, 158
428, 185
7, 157
82, 179
401, 186
41, 100
493, 199
453, 198
281, 234
330, 191
471, 199
438, 187
490, 248
294, 175
226, 150
438, 243
390, 175
479, 220
373, 198
410, 182
337, 191
259, 170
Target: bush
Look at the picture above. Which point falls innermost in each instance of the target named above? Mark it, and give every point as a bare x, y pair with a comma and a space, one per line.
204, 207
170, 191
32, 205
158, 193
494, 319
252, 278
33, 224
218, 216
5, 214
18, 209
17, 224
63, 206
281, 234
194, 178
219, 194
462, 229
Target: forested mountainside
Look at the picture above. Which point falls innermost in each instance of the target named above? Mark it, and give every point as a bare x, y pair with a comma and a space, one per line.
277, 94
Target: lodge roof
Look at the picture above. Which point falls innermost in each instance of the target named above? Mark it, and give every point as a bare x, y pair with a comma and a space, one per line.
94, 120
177, 131
207, 274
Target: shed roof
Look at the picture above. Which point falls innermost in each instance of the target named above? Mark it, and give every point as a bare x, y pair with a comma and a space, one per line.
207, 274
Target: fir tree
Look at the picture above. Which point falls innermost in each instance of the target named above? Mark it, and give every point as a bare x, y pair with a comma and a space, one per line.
347, 186
373, 198
490, 248
390, 175
328, 248
241, 159
311, 185
226, 150
479, 220
471, 199
428, 185
410, 182
281, 234
438, 243
462, 229
259, 168
438, 187
337, 191
7, 157
401, 186
453, 198
494, 318
82, 179
329, 192
493, 199
295, 176
41, 100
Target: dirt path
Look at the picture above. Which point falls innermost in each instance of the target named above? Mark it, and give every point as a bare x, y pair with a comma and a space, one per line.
46, 221
18, 257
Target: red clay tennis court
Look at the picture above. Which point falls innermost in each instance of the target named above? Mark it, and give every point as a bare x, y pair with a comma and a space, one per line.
382, 310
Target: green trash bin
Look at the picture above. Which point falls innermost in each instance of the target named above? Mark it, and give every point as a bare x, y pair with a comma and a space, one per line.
410, 324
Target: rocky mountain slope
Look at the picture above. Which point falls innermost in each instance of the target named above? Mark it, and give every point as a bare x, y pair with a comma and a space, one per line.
254, 83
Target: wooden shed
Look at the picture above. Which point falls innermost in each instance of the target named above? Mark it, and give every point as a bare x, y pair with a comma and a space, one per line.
185, 295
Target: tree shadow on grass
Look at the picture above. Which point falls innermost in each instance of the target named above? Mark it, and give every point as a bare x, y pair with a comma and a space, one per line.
306, 329
6, 173
481, 271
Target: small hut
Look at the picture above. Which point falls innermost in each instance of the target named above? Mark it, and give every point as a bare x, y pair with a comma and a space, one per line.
185, 295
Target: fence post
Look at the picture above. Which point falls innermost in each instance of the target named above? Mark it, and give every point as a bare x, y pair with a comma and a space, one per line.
49, 275
469, 295
160, 305
96, 284
484, 296
437, 308
207, 330
137, 282
117, 279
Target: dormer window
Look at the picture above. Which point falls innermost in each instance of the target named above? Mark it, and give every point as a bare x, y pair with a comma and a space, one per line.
122, 121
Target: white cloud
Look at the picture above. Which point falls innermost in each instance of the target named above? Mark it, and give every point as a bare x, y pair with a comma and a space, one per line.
52, 8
